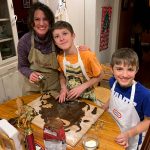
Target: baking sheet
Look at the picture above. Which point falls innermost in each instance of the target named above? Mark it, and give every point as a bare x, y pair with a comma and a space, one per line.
77, 116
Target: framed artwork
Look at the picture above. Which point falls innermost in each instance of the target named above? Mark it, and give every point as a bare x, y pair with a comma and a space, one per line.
105, 27
26, 3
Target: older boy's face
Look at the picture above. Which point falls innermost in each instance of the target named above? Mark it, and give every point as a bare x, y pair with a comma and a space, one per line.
124, 74
63, 38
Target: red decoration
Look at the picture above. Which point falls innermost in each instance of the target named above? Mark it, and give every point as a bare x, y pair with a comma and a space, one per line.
30, 142
105, 26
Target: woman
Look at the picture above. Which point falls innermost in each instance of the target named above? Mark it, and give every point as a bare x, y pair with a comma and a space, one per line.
36, 52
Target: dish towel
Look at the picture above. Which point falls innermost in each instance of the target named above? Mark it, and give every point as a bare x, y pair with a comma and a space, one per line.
12, 132
61, 12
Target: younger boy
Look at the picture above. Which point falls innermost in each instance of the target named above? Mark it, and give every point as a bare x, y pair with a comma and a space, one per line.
129, 103
79, 71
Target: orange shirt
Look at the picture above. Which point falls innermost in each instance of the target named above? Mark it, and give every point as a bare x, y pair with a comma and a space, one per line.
91, 63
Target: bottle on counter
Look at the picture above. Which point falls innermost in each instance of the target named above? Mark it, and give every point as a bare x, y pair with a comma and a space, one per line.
54, 135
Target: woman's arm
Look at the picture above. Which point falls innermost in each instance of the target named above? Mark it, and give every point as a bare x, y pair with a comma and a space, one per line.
24, 46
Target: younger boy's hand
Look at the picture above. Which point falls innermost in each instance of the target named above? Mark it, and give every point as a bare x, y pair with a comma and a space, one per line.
104, 107
122, 139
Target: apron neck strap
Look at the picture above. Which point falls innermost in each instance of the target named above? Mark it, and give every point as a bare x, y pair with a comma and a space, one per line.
32, 40
132, 90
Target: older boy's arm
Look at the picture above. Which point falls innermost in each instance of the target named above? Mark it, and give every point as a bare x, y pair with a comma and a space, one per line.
93, 81
122, 139
63, 91
62, 80
76, 92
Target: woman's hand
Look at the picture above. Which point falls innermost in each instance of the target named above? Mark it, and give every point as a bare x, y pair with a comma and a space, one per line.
34, 77
122, 139
63, 94
76, 92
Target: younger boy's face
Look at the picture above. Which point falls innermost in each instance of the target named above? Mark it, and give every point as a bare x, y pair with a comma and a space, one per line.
124, 74
63, 38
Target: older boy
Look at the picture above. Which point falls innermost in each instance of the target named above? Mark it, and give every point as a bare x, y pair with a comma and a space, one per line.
79, 70
129, 103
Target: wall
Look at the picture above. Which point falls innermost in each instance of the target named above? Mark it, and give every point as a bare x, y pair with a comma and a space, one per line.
76, 16
92, 27
85, 17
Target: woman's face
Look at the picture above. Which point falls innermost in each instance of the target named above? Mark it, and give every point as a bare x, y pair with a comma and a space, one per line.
41, 23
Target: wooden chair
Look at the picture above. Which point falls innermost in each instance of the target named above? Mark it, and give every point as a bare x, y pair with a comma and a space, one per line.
107, 75
146, 142
107, 71
6, 142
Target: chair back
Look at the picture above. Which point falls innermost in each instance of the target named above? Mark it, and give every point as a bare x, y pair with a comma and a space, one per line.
107, 71
146, 142
6, 142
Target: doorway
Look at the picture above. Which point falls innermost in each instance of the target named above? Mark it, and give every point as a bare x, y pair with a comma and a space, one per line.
21, 10
134, 32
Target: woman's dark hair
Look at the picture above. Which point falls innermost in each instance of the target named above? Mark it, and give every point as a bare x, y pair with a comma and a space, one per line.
46, 10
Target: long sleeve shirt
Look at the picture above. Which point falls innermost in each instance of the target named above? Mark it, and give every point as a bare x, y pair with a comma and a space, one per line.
24, 47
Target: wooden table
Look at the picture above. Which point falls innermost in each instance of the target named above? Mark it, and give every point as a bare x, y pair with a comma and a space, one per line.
105, 128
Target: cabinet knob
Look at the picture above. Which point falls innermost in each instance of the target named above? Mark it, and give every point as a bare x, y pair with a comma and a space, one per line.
14, 19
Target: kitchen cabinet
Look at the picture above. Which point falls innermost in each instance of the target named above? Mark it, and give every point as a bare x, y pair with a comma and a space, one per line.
11, 85
8, 32
2, 92
10, 82
9, 75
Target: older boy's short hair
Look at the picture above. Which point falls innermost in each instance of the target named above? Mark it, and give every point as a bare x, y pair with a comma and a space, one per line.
126, 56
62, 25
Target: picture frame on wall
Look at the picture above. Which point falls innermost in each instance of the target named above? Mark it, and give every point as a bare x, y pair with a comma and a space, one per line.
125, 4
26, 3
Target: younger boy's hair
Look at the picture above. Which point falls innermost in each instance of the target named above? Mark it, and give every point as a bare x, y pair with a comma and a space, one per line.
126, 56
62, 25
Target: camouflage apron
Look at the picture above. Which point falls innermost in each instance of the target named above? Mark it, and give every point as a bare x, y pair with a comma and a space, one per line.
76, 75
47, 65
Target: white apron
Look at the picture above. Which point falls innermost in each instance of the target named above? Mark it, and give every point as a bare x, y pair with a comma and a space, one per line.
76, 75
125, 114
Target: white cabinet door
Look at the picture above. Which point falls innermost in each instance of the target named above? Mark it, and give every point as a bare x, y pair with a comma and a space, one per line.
11, 85
2, 92
8, 32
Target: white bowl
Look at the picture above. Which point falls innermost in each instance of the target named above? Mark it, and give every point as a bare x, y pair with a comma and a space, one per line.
90, 142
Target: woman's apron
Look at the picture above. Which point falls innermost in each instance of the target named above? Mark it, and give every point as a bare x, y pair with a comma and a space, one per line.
76, 75
47, 65
125, 114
